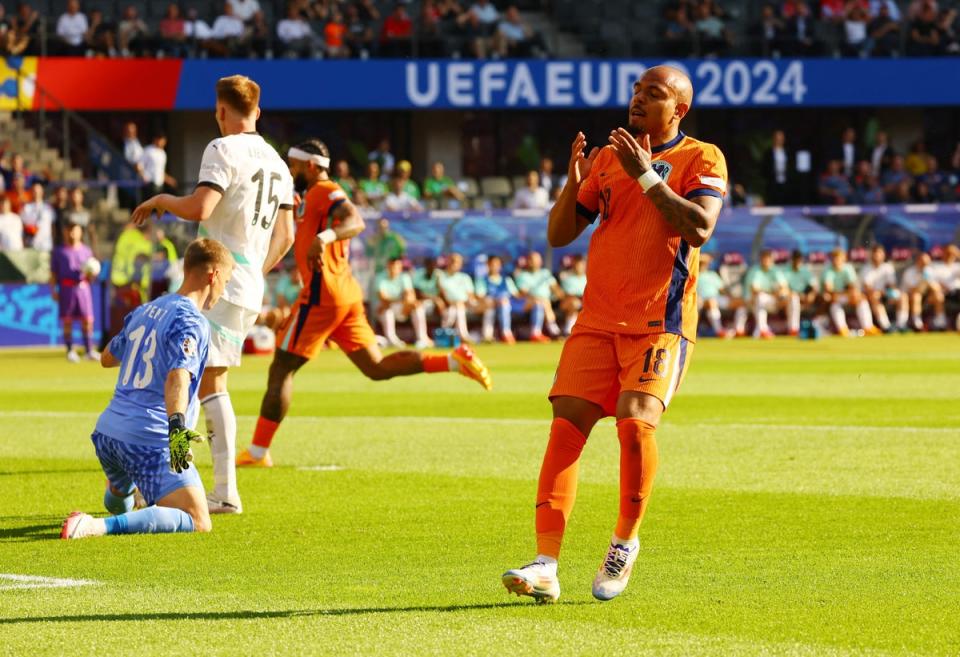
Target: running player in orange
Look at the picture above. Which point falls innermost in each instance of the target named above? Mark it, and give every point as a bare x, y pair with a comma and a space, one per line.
330, 306
656, 194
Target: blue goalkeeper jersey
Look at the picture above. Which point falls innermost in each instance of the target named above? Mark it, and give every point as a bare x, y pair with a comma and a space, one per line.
163, 335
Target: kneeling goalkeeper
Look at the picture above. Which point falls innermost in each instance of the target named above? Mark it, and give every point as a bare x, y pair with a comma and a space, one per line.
142, 438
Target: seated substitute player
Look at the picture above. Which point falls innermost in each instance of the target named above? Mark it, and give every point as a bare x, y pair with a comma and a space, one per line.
918, 284
330, 306
802, 283
841, 287
398, 302
426, 283
456, 288
143, 434
880, 286
496, 289
573, 283
538, 286
769, 292
657, 194
947, 275
70, 288
712, 296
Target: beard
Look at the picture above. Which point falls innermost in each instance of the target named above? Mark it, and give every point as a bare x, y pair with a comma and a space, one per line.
300, 182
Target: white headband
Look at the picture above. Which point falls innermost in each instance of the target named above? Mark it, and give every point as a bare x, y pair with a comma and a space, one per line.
319, 160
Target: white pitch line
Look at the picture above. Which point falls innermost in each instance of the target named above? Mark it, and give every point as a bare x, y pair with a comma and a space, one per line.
434, 419
38, 582
332, 467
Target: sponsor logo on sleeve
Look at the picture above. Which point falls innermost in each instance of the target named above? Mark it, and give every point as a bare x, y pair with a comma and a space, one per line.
713, 181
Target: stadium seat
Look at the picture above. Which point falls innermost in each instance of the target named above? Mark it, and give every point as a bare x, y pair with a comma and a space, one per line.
469, 187
519, 182
496, 188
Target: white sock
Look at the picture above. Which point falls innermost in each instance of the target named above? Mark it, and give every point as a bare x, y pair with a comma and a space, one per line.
940, 321
713, 316
552, 328
793, 313
570, 320
902, 317
389, 321
880, 312
452, 364
420, 324
864, 315
488, 317
449, 317
622, 541
740, 319
549, 562
222, 427
761, 315
462, 323
257, 452
838, 316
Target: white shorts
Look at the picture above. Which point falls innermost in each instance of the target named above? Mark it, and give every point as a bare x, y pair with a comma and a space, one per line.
766, 301
229, 326
723, 301
397, 307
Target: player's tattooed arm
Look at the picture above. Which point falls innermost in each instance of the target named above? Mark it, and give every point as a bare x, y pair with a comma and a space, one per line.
345, 222
693, 218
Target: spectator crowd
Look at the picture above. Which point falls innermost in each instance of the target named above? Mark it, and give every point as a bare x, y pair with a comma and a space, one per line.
801, 28
248, 28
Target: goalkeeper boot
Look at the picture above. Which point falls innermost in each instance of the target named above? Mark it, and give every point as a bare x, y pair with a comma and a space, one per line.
615, 570
80, 525
537, 580
247, 460
472, 367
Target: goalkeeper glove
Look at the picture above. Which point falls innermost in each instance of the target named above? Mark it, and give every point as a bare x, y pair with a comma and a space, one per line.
180, 438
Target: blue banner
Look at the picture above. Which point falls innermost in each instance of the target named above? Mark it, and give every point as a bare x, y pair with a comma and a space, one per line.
583, 84
28, 316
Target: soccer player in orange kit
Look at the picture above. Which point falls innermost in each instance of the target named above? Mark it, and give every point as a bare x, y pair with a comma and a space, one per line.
330, 306
657, 194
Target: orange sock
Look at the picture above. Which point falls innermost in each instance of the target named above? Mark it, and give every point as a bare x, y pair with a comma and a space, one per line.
557, 488
433, 363
264, 432
638, 467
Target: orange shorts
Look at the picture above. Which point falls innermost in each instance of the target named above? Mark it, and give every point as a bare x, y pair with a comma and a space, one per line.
598, 365
308, 327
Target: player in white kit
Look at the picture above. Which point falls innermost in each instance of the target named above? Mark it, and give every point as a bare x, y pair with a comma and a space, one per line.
244, 199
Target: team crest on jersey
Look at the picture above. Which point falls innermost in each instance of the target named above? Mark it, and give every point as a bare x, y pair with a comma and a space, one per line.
189, 347
662, 168
302, 209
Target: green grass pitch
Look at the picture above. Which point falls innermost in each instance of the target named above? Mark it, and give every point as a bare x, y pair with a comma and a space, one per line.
808, 503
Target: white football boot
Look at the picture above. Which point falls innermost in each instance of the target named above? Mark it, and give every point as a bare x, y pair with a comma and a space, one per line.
79, 525
223, 506
615, 570
537, 579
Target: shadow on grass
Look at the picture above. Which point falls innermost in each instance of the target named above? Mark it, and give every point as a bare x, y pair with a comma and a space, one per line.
14, 473
255, 615
44, 528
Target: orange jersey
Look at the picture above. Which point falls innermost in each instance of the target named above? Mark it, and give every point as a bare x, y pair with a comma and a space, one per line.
641, 274
333, 284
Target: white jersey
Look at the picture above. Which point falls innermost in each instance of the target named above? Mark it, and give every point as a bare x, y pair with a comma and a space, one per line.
256, 184
947, 274
879, 277
913, 277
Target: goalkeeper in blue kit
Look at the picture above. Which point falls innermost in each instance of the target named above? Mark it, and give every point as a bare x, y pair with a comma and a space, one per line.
143, 437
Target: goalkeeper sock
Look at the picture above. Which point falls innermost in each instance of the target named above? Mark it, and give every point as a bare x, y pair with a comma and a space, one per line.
152, 520
222, 427
557, 486
117, 505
